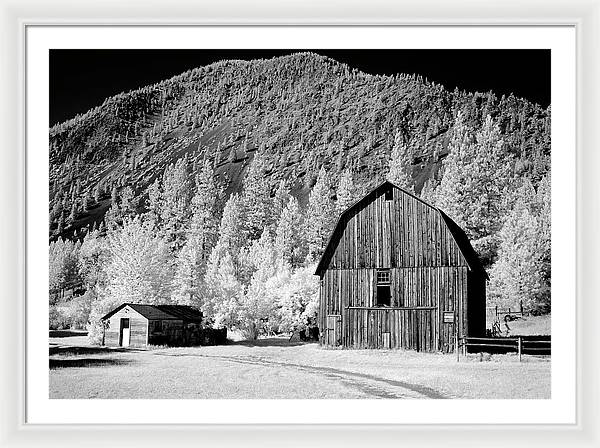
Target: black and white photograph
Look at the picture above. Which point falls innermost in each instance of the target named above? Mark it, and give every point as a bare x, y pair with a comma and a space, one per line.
300, 224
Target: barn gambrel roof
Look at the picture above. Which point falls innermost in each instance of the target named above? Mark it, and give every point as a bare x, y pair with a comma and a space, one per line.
459, 236
162, 312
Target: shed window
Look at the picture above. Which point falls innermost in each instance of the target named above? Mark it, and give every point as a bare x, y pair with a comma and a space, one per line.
158, 326
384, 294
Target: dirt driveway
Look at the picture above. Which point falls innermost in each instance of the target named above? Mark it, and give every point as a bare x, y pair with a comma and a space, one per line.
274, 368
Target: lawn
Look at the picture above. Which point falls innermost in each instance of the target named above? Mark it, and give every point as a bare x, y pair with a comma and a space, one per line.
275, 368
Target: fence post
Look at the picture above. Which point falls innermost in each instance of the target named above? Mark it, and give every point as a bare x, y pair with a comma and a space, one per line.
456, 347
520, 347
521, 305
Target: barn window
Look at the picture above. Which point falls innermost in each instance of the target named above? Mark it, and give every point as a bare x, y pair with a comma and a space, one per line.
389, 194
158, 325
384, 295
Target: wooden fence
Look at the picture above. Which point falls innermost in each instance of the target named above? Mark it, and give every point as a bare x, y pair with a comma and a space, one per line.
508, 311
522, 345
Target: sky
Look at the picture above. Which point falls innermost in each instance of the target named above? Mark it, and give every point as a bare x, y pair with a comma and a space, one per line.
82, 79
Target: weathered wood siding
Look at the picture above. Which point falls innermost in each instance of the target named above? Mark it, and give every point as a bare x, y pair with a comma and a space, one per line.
428, 276
403, 232
419, 298
138, 327
171, 333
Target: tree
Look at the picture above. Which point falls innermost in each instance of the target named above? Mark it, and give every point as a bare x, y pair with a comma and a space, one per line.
231, 235
200, 239
519, 274
298, 300
62, 257
319, 216
223, 291
280, 201
114, 195
74, 211
128, 202
256, 198
289, 246
169, 202
138, 270
399, 164
93, 255
86, 202
477, 176
346, 192
256, 307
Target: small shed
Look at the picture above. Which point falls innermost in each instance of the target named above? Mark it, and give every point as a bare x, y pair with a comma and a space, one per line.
140, 324
397, 272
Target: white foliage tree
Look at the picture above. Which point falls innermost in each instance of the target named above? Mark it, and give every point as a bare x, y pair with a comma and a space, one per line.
320, 216
298, 300
138, 270
257, 304
522, 272
346, 192
289, 246
201, 237
477, 177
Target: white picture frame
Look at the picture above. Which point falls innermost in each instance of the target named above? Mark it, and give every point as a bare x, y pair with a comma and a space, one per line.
17, 16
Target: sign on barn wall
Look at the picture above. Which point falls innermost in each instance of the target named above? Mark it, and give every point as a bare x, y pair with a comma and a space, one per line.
448, 317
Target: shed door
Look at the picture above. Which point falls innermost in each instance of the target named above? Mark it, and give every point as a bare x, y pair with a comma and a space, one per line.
124, 336
334, 330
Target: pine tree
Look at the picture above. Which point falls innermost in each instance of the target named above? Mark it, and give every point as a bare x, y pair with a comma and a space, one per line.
519, 274
346, 192
74, 212
256, 198
289, 246
476, 179
232, 238
319, 216
399, 165
114, 195
169, 202
128, 202
200, 240
61, 223
86, 202
281, 199
97, 192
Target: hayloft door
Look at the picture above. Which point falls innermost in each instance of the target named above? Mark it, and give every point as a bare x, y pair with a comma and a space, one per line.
124, 333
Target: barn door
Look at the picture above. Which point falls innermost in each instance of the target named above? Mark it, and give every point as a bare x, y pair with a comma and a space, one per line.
124, 332
334, 330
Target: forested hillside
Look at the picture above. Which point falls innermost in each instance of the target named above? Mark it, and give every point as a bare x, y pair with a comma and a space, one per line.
219, 187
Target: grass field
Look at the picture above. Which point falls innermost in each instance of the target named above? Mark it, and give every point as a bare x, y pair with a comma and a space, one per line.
275, 368
523, 326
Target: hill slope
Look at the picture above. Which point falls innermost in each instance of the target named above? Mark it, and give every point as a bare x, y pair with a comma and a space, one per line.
304, 111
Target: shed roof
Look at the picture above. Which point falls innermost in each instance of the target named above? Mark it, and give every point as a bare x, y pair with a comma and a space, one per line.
462, 241
161, 312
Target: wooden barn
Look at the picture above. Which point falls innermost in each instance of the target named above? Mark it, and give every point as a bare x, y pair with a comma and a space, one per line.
398, 273
139, 324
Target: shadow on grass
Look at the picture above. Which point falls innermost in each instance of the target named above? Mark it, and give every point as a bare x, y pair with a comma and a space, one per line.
67, 333
73, 350
270, 342
84, 362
